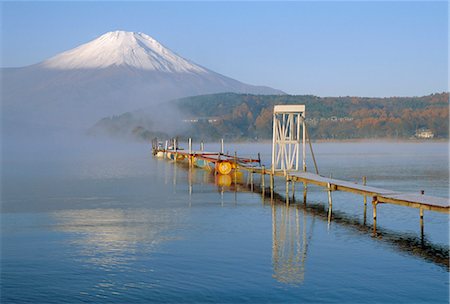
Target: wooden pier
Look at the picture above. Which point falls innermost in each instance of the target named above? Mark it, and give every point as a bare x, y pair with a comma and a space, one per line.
378, 195
290, 136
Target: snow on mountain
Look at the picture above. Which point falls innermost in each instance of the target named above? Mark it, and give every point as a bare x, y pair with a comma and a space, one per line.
121, 48
115, 73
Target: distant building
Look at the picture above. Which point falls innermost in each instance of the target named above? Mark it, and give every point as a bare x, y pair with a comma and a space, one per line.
314, 121
211, 120
424, 133
191, 120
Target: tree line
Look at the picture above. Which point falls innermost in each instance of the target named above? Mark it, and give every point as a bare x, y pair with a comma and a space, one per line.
246, 116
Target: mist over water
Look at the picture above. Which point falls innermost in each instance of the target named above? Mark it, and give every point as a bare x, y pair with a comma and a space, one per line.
100, 220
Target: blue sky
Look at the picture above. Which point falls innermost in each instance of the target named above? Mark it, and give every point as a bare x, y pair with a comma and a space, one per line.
321, 48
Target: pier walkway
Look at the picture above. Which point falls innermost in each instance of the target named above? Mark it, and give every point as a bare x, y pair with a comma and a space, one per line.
290, 137
378, 195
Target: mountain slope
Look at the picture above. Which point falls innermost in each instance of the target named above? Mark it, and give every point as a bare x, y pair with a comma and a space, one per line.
243, 116
117, 72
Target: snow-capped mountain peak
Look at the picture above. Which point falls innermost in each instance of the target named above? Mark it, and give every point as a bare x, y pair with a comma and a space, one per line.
115, 73
121, 48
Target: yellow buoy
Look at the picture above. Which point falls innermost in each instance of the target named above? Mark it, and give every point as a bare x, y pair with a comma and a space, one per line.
223, 167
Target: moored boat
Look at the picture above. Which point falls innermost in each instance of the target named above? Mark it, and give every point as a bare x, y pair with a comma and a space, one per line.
203, 163
175, 156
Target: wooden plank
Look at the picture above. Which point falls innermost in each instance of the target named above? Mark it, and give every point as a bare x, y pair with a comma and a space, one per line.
383, 195
288, 109
421, 199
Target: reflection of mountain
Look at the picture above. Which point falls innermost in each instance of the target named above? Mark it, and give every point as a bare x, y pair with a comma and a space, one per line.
289, 244
111, 237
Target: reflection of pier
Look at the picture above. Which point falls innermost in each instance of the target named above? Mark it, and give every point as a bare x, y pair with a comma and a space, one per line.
290, 137
408, 243
289, 244
291, 233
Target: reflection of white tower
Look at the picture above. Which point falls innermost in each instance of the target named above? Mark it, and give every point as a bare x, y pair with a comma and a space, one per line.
289, 245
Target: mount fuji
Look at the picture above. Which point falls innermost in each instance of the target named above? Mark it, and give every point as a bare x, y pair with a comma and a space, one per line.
117, 72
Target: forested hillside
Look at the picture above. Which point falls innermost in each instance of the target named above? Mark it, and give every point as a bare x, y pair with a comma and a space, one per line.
244, 116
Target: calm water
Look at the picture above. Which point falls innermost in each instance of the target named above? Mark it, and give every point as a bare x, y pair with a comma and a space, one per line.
117, 226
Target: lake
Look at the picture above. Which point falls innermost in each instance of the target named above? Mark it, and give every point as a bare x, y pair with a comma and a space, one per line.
108, 223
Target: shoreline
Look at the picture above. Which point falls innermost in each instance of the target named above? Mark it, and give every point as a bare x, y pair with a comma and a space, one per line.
355, 140
391, 140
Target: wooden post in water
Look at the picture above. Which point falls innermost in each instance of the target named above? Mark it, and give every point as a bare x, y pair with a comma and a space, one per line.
365, 214
305, 190
271, 186
271, 181
293, 190
235, 170
251, 180
303, 141
374, 205
364, 179
365, 197
176, 148
190, 152
330, 202
190, 182
221, 146
263, 178
287, 190
421, 224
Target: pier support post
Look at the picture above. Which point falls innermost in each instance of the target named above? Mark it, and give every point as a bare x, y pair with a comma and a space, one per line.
421, 225
305, 190
263, 178
293, 190
235, 169
374, 204
330, 202
190, 153
271, 182
287, 190
190, 186
271, 187
365, 213
251, 181
365, 197
176, 148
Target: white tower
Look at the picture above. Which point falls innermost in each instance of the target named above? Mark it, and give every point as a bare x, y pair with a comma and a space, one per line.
288, 122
